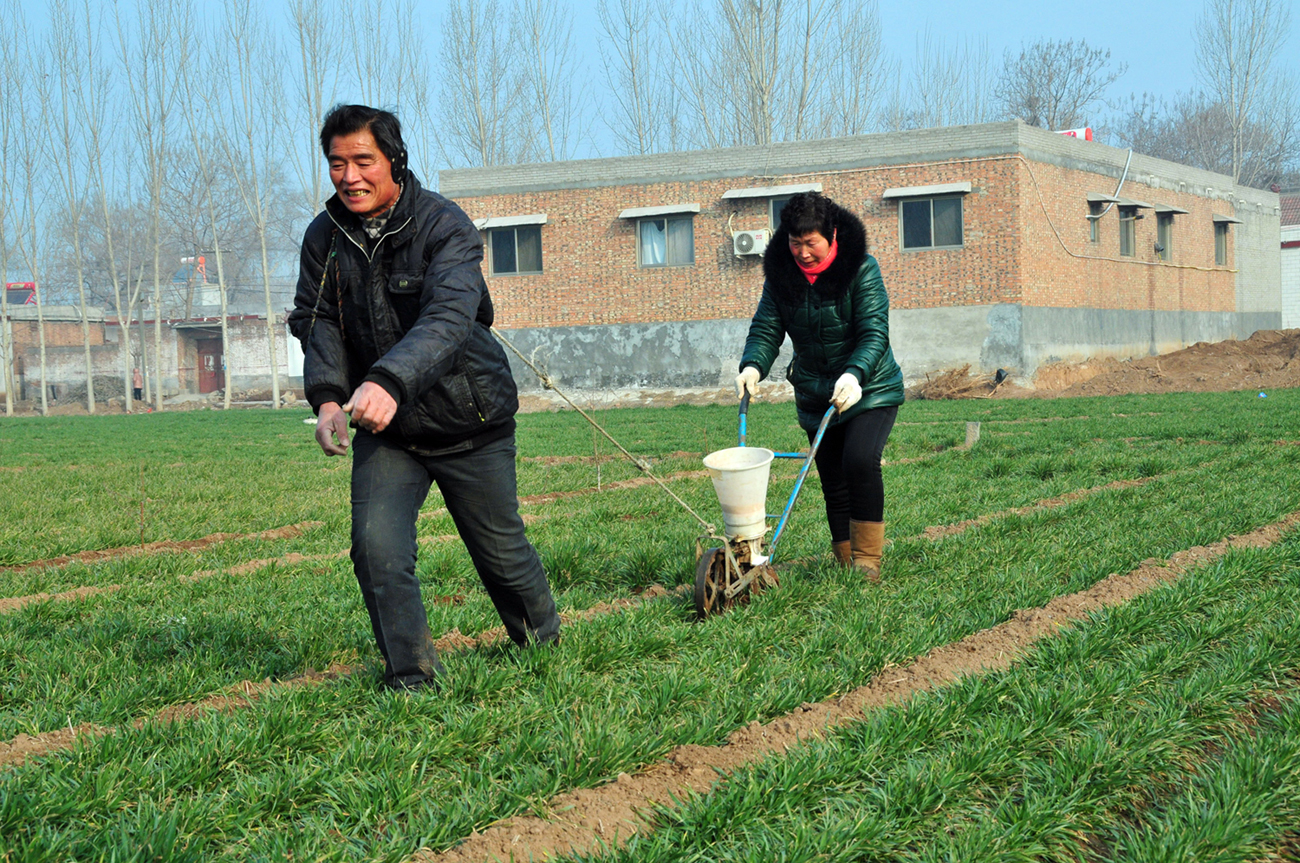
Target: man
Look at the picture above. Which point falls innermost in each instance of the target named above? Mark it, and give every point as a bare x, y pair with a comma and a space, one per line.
393, 315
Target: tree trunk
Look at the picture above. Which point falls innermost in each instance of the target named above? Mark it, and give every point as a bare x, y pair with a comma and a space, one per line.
157, 320
270, 321
40, 330
85, 323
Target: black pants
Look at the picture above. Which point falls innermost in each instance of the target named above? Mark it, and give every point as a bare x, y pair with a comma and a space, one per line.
388, 486
136, 393
848, 462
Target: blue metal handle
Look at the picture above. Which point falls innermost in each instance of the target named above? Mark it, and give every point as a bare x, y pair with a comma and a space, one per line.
744, 410
803, 472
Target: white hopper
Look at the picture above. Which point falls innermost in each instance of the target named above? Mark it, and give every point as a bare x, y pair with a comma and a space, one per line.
740, 476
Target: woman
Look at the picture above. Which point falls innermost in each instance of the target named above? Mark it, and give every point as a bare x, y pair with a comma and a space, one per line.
825, 291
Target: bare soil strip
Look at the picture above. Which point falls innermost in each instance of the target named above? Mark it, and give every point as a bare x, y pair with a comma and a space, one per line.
587, 820
940, 531
166, 545
14, 603
635, 482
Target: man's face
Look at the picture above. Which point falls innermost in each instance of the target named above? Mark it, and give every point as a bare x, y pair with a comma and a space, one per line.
361, 174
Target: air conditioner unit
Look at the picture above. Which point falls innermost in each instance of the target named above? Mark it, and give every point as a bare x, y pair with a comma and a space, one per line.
749, 242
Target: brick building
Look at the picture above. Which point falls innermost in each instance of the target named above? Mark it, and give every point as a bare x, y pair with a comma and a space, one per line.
1001, 245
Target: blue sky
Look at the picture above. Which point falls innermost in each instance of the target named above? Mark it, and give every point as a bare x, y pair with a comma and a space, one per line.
1154, 37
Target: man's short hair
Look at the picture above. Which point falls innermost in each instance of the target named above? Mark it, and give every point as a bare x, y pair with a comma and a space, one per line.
384, 125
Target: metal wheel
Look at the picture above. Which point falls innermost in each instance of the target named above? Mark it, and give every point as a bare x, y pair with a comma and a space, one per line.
711, 583
713, 579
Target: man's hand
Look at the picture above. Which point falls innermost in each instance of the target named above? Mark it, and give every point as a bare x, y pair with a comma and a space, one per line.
371, 407
332, 423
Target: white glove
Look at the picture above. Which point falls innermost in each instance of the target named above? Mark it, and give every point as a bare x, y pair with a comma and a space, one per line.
847, 392
747, 380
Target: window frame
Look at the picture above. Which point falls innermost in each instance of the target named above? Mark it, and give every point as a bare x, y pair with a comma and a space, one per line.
961, 222
1165, 236
1128, 218
514, 229
774, 213
1221, 244
1095, 211
666, 218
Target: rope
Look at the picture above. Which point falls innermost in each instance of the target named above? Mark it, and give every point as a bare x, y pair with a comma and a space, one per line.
641, 464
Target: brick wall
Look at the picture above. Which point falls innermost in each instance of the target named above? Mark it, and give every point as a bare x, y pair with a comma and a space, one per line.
1100, 278
590, 274
1010, 254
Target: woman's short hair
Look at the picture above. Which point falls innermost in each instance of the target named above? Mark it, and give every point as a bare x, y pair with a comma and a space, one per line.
808, 212
384, 125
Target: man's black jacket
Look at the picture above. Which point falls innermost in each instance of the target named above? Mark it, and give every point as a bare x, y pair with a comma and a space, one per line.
414, 319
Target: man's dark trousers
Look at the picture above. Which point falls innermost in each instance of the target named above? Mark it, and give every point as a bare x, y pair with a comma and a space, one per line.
389, 484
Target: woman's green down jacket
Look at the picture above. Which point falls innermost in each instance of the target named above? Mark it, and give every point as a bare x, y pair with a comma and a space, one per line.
840, 324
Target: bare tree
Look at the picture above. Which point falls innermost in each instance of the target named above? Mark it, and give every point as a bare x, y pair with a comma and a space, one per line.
66, 48
1055, 84
643, 98
317, 72
10, 16
1196, 131
32, 163
550, 72
757, 71
481, 105
255, 112
148, 65
949, 85
194, 68
386, 61
858, 68
1237, 45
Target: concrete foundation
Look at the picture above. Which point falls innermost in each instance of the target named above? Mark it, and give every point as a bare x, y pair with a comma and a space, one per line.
1009, 336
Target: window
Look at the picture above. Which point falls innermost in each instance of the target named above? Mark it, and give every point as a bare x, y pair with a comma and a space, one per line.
1165, 235
1095, 209
931, 223
1221, 244
666, 242
516, 250
778, 204
1127, 230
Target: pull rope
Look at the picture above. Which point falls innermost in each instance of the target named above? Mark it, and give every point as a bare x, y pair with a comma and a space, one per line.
641, 463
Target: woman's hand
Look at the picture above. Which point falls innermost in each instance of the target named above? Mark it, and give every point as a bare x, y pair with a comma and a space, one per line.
847, 392
747, 380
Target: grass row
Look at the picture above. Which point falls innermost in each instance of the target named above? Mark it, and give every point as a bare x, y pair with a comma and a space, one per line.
200, 473
349, 772
1153, 733
159, 641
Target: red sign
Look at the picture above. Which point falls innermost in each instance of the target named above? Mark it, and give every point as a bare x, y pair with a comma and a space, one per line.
28, 288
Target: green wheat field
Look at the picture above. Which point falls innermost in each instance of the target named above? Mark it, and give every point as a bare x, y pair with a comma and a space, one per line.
1166, 728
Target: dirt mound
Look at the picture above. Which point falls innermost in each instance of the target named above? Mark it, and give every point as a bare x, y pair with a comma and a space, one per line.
1268, 360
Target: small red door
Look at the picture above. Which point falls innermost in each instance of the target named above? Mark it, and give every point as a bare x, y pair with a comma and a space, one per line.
211, 365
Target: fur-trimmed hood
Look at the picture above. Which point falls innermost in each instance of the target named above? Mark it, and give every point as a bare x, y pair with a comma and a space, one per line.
788, 281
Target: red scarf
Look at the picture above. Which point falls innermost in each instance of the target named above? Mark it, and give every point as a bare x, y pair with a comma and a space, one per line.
812, 272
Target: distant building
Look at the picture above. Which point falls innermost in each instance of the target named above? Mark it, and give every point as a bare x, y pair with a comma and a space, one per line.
1001, 245
192, 353
1290, 212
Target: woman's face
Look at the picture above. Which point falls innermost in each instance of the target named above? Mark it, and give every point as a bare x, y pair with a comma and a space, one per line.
810, 249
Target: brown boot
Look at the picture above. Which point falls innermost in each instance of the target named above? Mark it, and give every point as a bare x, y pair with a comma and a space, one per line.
868, 542
843, 552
